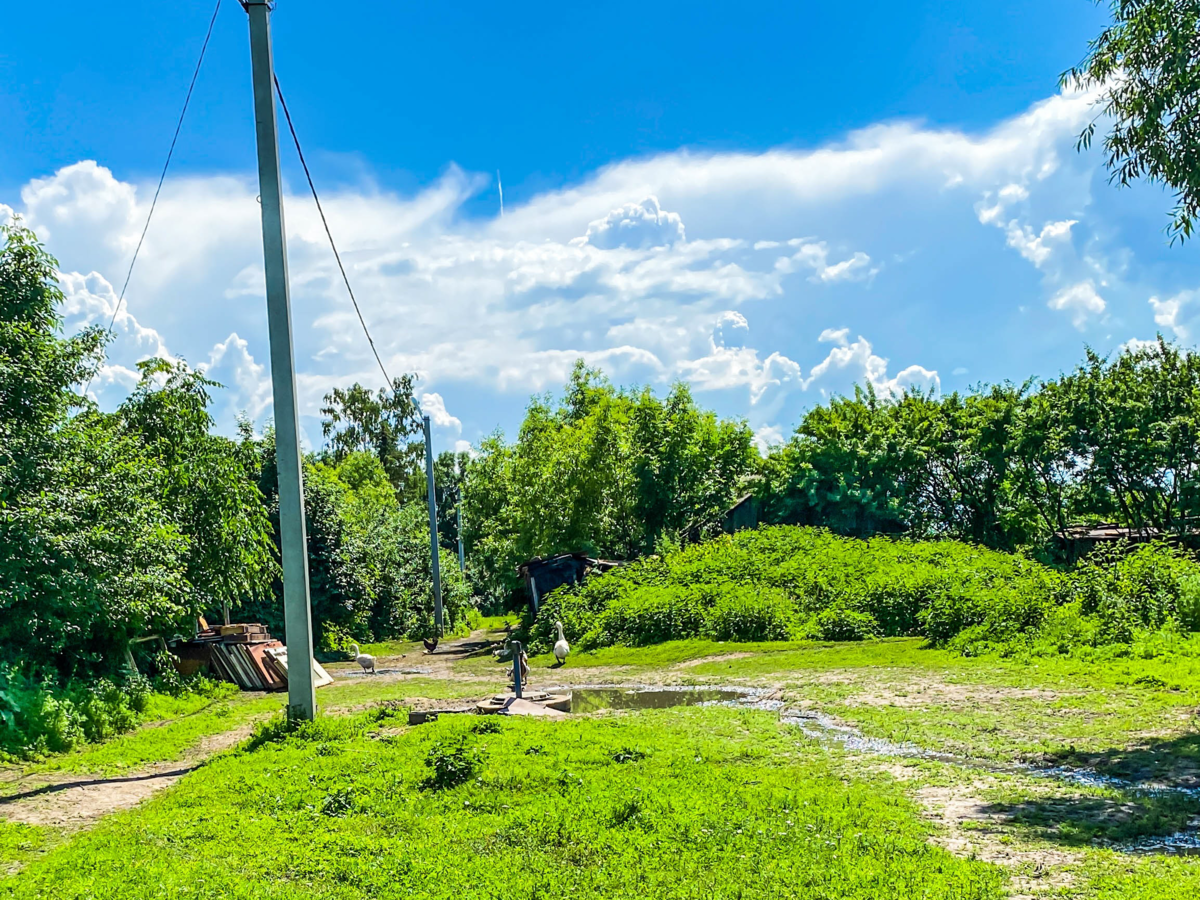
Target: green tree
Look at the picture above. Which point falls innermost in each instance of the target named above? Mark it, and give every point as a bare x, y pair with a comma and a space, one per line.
90, 557
847, 467
380, 423
208, 482
1147, 64
604, 471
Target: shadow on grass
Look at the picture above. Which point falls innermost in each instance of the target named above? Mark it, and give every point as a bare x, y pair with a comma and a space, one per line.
1152, 790
56, 787
1084, 821
1168, 761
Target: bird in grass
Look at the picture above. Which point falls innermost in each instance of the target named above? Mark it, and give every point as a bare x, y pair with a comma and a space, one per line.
561, 647
366, 660
430, 644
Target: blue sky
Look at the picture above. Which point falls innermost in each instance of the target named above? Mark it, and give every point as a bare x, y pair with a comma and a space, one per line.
770, 201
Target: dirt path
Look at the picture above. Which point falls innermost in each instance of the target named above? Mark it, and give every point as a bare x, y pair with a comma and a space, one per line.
70, 803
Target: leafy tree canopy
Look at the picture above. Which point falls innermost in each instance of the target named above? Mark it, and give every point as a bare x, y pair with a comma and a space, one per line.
1147, 63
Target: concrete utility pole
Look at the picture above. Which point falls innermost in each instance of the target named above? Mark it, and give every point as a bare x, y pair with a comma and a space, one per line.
435, 562
462, 560
297, 611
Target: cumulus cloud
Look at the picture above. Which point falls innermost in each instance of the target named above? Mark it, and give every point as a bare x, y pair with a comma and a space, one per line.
1079, 300
857, 363
434, 406
768, 436
604, 270
1037, 248
231, 363
636, 225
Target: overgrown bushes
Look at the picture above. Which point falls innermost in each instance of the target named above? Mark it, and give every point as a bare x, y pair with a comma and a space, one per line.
792, 582
38, 716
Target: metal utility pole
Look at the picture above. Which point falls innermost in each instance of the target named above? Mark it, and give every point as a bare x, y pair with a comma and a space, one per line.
462, 560
435, 562
297, 611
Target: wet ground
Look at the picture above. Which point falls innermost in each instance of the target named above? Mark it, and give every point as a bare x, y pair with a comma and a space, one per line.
828, 730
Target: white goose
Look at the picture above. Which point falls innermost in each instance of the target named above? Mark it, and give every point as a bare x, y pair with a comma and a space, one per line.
561, 647
366, 660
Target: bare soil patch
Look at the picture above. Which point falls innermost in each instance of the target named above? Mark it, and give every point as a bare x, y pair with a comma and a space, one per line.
71, 803
920, 693
970, 829
705, 660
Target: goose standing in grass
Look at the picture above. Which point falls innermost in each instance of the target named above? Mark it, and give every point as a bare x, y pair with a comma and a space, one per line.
561, 647
366, 660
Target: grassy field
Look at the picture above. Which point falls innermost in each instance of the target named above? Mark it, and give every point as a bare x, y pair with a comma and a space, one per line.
686, 802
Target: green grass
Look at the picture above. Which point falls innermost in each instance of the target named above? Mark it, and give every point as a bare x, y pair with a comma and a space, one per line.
901, 689
352, 693
385, 649
690, 802
163, 742
19, 843
682, 803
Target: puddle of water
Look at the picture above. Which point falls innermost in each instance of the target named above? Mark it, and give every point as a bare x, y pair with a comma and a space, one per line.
828, 730
586, 700
353, 674
825, 729
1181, 843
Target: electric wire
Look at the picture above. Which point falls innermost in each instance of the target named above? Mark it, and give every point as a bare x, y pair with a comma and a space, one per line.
337, 256
163, 176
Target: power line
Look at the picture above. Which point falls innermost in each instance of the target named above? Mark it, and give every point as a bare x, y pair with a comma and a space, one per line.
163, 176
288, 116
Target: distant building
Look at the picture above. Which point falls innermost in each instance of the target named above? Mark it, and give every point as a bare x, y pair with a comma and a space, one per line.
543, 574
745, 513
1078, 541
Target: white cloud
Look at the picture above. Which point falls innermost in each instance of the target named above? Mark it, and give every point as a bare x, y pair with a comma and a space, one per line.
768, 436
1037, 248
815, 256
1081, 301
857, 363
636, 225
724, 368
434, 406
1166, 313
1178, 313
731, 329
839, 336
489, 310
231, 363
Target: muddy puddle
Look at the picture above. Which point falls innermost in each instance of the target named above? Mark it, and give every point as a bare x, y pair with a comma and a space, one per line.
354, 674
828, 730
587, 700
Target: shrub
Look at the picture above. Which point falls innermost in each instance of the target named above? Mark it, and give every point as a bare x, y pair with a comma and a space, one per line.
38, 717
649, 615
756, 585
450, 764
742, 613
839, 623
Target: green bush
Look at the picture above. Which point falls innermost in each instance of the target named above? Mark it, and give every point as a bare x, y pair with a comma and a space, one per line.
757, 585
451, 764
648, 615
841, 624
39, 717
742, 613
